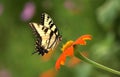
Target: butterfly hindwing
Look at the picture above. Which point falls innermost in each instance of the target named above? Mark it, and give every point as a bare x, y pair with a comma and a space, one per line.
46, 33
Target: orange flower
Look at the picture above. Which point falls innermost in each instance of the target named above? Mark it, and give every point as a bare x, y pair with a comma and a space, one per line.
68, 49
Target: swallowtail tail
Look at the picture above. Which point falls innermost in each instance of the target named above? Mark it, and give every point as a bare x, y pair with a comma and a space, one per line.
47, 34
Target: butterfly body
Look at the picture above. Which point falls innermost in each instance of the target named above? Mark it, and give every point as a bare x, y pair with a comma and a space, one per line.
46, 33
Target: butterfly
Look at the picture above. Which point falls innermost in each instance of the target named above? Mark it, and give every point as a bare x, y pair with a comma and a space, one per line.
46, 33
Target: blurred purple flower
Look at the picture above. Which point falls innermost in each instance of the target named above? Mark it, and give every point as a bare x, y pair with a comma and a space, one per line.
1, 9
28, 11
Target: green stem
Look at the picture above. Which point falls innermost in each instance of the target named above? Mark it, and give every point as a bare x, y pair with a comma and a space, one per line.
82, 57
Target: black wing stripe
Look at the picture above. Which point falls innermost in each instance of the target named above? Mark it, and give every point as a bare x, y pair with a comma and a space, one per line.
51, 34
34, 30
42, 18
51, 25
55, 41
46, 30
55, 30
48, 17
43, 27
50, 22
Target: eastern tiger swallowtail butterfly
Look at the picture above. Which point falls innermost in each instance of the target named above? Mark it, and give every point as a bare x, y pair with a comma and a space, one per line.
47, 34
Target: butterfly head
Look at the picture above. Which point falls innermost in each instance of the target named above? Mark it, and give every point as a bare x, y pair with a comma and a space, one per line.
60, 38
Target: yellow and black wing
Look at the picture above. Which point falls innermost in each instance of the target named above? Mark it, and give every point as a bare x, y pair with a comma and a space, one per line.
46, 33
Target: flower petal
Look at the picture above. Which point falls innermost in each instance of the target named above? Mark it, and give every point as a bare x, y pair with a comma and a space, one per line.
62, 58
69, 51
60, 61
74, 60
68, 44
49, 73
81, 40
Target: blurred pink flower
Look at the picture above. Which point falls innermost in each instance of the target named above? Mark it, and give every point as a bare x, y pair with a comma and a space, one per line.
71, 6
1, 9
28, 11
5, 73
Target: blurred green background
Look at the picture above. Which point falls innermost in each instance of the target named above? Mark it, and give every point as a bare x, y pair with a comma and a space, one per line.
100, 18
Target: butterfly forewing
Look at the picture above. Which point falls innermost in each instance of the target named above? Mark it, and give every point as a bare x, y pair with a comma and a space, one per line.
47, 21
46, 33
